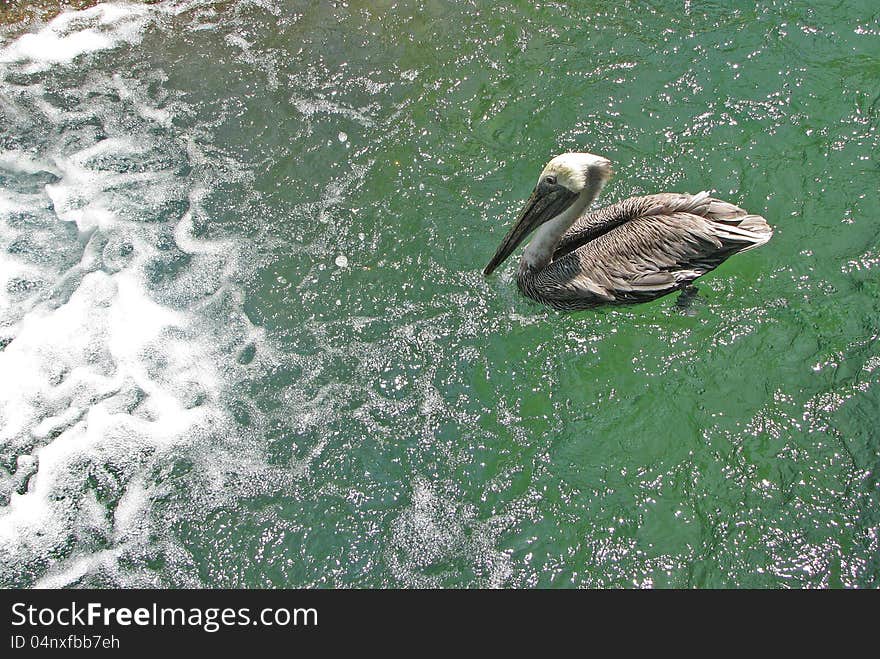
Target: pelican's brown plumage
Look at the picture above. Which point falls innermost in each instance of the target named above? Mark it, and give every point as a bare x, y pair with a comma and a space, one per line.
633, 251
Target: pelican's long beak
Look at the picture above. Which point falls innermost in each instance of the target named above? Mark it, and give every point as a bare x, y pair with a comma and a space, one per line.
547, 201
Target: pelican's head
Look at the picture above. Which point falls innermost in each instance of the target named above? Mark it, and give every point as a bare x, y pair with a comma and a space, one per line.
575, 171
564, 180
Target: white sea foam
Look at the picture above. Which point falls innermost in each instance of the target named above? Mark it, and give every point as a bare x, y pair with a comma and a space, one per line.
435, 530
71, 34
104, 372
123, 339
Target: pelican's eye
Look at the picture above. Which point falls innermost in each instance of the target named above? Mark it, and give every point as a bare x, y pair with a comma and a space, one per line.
550, 180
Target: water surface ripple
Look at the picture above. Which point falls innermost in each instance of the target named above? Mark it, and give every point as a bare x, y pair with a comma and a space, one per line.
246, 341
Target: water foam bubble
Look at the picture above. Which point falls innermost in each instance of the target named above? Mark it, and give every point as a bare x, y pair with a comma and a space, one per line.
71, 34
119, 326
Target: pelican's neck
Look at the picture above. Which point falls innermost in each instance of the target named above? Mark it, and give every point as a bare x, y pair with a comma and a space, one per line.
539, 251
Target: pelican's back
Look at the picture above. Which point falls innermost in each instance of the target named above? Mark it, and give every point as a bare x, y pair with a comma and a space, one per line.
642, 248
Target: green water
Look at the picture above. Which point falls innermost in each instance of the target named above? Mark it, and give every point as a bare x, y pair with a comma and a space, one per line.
394, 419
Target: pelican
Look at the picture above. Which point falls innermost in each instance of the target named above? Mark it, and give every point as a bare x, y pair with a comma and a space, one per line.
635, 250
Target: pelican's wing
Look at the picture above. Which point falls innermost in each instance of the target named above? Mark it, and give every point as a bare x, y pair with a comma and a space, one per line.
593, 224
654, 245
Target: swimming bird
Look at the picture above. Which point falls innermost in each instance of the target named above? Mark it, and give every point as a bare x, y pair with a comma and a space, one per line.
633, 251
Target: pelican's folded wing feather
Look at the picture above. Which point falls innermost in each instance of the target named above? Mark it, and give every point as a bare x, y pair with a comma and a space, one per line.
642, 248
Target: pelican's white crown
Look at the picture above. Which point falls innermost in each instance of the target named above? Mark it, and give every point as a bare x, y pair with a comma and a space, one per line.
573, 170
